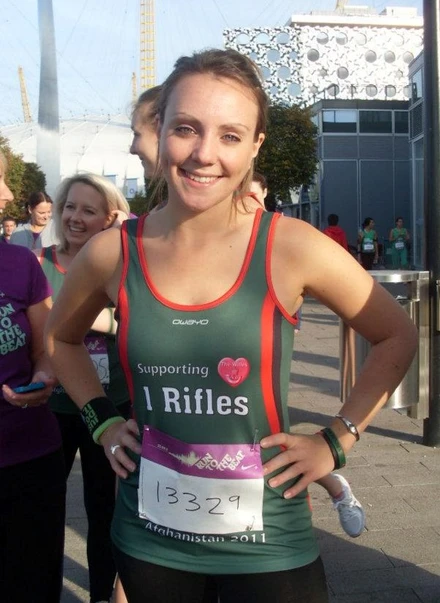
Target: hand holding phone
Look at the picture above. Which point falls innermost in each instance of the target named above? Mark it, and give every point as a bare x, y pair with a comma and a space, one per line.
31, 387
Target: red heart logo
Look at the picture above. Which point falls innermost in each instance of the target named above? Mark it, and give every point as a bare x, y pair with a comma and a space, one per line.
232, 371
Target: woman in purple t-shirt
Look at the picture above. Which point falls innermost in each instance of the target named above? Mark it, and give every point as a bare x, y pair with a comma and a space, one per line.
32, 485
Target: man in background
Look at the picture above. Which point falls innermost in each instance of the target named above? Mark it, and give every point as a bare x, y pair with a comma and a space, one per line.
335, 232
8, 227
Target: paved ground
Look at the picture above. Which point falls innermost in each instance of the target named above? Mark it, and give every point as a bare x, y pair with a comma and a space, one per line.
397, 479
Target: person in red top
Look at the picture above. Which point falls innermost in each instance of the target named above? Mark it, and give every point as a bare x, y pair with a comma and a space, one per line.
335, 232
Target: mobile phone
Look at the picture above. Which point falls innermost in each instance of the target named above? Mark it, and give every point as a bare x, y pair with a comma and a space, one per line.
24, 389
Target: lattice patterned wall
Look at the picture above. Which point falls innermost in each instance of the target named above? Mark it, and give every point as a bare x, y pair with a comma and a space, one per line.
304, 63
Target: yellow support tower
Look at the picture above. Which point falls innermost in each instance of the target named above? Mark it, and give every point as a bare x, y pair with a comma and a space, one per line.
24, 97
147, 46
134, 93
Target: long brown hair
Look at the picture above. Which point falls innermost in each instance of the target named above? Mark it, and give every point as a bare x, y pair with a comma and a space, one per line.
224, 64
146, 106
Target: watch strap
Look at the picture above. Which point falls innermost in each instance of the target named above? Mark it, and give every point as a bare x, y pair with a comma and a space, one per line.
351, 427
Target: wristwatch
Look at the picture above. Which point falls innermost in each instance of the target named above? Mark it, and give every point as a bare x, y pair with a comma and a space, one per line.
351, 427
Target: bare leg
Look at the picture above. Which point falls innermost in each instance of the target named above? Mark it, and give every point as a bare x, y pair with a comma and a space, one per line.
331, 484
118, 593
350, 511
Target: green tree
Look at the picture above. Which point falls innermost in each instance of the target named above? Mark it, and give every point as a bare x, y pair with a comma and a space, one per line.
34, 180
288, 155
139, 204
22, 178
15, 171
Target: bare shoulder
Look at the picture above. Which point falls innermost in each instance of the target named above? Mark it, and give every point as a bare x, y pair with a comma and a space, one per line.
104, 248
295, 240
304, 260
100, 259
289, 229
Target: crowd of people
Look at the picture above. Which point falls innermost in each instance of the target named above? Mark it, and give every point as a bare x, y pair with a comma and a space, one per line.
185, 413
371, 250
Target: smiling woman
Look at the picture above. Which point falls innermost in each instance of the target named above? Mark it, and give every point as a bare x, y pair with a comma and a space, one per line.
39, 231
85, 205
213, 485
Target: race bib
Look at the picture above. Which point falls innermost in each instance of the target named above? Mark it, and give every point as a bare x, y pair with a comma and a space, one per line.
368, 246
200, 488
97, 348
399, 245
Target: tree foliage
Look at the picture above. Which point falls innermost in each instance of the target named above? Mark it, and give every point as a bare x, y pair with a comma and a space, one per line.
139, 204
33, 180
288, 155
22, 178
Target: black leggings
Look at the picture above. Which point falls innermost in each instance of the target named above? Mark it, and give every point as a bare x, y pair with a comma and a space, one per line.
367, 260
99, 483
32, 506
145, 582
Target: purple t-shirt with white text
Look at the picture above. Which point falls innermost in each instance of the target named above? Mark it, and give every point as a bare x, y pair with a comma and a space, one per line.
29, 433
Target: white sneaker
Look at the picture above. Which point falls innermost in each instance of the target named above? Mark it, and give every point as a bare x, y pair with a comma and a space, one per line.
351, 513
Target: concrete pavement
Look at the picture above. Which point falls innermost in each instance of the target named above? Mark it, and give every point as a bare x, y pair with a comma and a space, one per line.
396, 478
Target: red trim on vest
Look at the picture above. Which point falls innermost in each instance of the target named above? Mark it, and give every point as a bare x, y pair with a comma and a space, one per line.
270, 237
267, 364
123, 326
43, 257
56, 262
216, 302
125, 258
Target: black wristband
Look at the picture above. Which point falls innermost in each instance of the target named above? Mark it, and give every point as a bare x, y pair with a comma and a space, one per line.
332, 450
335, 447
98, 414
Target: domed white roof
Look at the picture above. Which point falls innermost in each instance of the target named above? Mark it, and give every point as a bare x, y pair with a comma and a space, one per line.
92, 143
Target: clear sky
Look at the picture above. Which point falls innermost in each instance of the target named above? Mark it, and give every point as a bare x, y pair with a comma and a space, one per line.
98, 44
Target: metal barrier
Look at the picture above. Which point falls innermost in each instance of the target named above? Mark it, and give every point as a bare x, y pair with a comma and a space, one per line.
410, 289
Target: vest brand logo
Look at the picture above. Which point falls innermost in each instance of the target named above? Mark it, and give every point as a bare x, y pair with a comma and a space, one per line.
190, 322
232, 371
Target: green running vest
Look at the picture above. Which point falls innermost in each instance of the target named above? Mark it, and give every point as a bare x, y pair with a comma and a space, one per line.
399, 237
212, 376
116, 388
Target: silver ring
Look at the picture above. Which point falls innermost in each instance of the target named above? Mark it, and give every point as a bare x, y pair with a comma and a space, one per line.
114, 448
24, 406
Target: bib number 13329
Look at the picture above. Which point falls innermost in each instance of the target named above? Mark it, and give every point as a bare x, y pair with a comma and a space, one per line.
200, 488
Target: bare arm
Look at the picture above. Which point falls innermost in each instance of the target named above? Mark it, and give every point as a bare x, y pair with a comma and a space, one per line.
91, 283
324, 271
105, 321
85, 294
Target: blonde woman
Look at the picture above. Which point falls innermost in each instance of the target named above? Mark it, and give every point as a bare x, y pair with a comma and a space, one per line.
85, 205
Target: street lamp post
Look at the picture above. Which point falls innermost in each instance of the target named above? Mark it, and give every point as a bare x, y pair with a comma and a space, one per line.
431, 139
